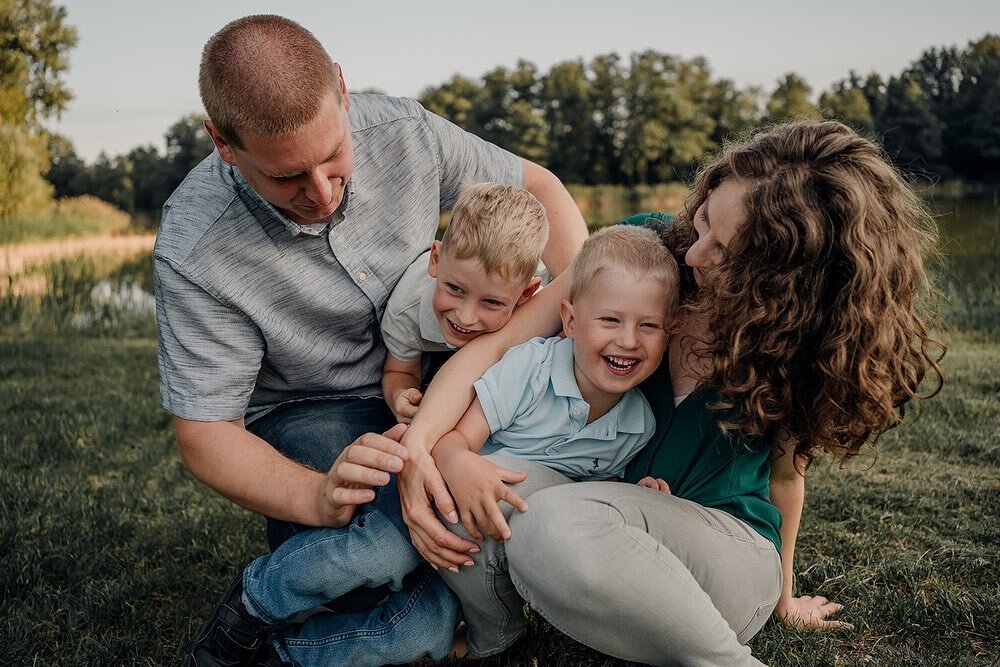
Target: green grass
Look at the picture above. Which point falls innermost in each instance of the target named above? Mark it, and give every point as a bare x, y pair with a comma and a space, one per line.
112, 553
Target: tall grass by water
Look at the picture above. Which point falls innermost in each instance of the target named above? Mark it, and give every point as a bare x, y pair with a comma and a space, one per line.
112, 553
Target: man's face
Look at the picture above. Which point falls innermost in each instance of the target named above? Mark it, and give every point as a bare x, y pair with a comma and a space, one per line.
303, 174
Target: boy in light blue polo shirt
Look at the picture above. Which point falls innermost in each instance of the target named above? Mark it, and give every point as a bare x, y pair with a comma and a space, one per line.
571, 403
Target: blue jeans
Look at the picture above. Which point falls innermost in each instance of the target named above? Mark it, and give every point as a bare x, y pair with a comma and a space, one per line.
370, 558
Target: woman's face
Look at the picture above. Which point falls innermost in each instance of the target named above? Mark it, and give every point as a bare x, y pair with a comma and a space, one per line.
716, 223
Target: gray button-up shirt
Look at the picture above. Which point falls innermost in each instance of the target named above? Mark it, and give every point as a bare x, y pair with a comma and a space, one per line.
253, 310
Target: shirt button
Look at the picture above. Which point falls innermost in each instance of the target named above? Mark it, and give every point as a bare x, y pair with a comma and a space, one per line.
362, 276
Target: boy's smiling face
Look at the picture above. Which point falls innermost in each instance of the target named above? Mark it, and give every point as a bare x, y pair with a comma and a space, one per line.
468, 301
618, 331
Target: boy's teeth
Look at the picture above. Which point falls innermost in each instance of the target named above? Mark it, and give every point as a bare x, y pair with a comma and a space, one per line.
621, 363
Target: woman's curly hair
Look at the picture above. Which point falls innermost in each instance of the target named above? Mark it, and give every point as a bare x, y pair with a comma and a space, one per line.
817, 309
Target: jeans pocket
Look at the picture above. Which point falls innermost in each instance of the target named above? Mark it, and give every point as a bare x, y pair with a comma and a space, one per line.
756, 621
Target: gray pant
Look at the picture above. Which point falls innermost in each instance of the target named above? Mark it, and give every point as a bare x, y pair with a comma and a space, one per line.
629, 571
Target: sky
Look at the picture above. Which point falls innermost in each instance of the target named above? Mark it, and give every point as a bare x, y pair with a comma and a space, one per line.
134, 70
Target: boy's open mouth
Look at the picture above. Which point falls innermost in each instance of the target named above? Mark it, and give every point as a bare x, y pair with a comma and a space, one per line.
459, 330
620, 365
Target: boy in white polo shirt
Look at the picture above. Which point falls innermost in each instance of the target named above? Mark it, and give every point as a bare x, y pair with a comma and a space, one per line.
467, 284
569, 403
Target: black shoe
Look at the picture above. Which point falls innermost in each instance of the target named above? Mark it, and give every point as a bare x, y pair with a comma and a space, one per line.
268, 657
232, 635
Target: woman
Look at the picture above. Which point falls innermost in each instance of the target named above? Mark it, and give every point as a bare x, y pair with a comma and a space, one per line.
801, 333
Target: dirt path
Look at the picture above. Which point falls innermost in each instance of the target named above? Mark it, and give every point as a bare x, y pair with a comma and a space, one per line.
13, 258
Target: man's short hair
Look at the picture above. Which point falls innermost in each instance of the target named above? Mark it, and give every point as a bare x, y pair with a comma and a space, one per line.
264, 75
637, 250
502, 226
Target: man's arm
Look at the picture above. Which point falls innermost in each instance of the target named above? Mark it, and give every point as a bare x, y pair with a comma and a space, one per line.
254, 475
567, 229
401, 387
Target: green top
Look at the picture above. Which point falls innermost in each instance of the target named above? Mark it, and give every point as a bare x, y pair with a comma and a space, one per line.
697, 459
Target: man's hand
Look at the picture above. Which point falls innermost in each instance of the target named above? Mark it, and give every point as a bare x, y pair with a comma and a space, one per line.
478, 486
419, 483
654, 483
363, 465
809, 613
406, 404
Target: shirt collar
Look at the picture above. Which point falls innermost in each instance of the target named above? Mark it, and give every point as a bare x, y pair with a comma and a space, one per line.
627, 415
277, 221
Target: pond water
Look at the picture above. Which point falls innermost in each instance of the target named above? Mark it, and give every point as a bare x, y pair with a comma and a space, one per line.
114, 295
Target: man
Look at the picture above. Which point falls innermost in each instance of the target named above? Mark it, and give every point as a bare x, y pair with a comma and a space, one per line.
273, 264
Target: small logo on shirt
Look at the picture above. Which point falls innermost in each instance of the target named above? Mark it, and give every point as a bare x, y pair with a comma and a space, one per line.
596, 464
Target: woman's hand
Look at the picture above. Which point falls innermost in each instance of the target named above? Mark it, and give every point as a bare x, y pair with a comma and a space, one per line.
419, 484
655, 483
807, 613
478, 486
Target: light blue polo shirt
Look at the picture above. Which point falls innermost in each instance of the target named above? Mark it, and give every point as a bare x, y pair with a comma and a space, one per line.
535, 412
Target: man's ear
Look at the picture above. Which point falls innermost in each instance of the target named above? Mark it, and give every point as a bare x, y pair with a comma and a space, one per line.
343, 87
432, 262
568, 317
529, 291
224, 147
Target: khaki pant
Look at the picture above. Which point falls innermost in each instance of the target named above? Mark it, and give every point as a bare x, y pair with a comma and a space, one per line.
629, 571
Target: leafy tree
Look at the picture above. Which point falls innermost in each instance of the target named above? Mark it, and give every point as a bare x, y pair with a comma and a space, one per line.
607, 97
454, 100
68, 174
847, 102
188, 144
152, 178
34, 41
912, 133
111, 180
791, 100
973, 136
23, 159
570, 121
734, 110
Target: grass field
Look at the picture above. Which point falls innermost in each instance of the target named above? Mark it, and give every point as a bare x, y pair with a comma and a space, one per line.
111, 553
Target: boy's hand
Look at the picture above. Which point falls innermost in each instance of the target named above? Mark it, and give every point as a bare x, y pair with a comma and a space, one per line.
656, 484
406, 404
477, 485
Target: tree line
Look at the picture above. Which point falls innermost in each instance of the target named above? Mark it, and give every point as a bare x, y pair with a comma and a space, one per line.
646, 119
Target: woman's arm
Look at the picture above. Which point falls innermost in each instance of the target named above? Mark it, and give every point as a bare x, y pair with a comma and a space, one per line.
443, 404
788, 491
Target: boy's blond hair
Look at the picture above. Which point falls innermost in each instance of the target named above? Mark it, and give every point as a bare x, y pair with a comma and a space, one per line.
502, 226
637, 250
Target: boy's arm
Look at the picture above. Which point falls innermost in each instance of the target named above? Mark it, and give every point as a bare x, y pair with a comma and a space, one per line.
446, 400
788, 489
476, 484
401, 387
